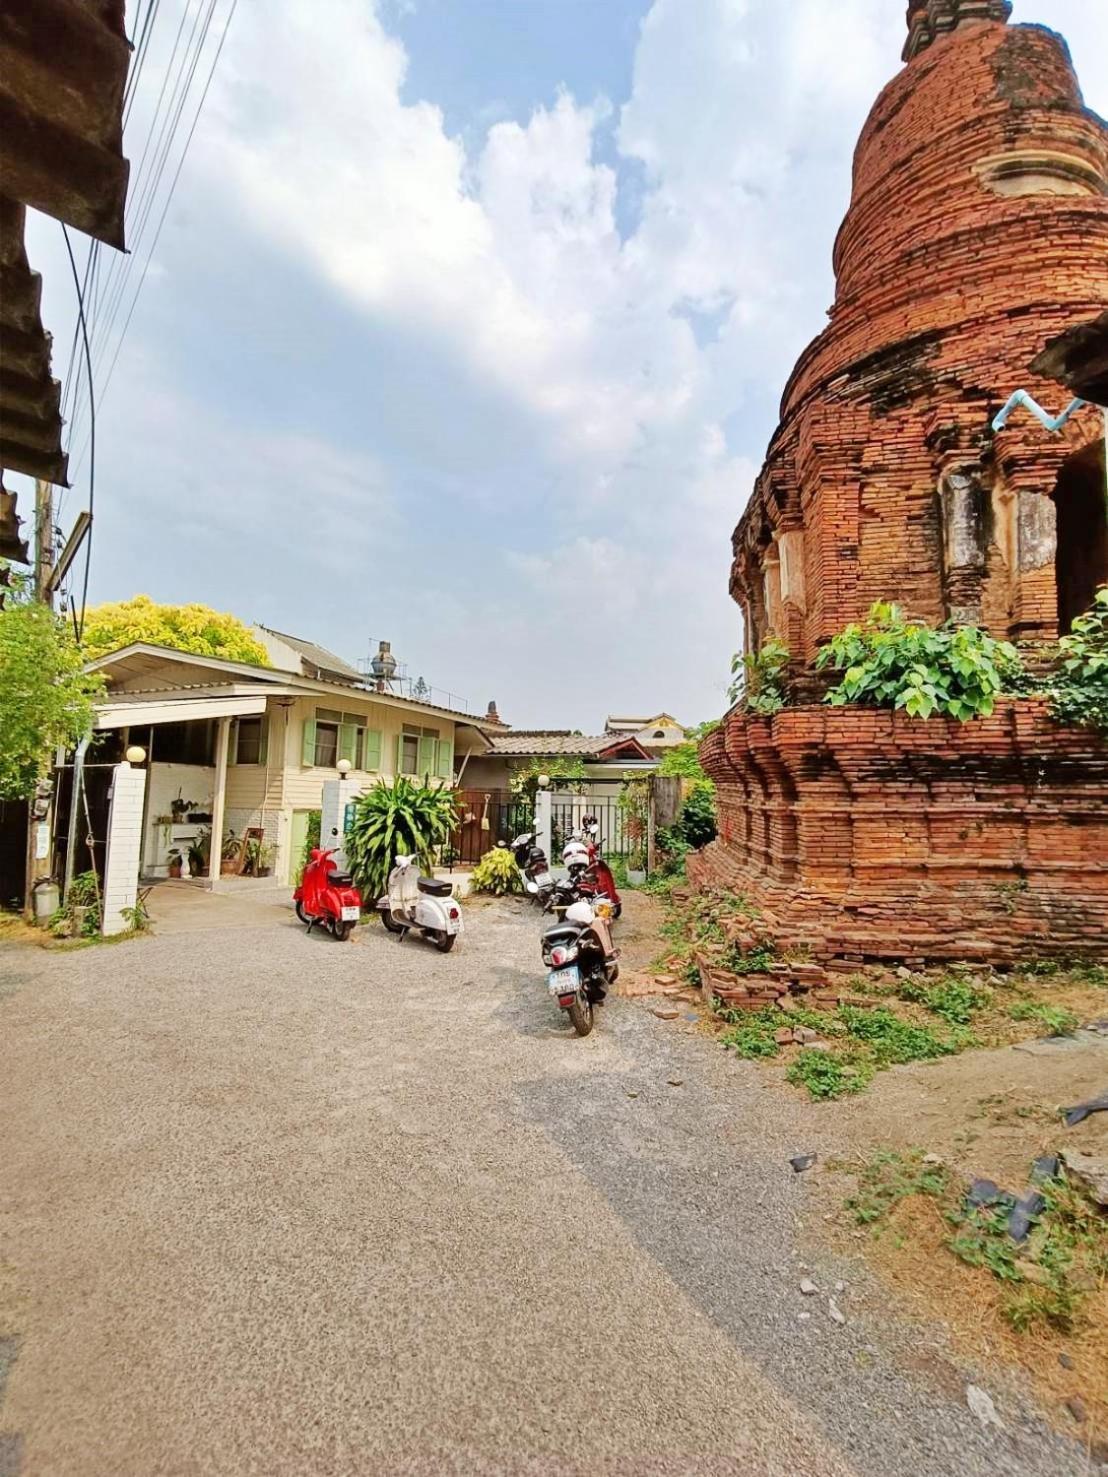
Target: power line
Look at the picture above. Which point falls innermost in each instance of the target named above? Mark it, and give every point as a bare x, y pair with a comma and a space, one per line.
122, 266
168, 200
80, 624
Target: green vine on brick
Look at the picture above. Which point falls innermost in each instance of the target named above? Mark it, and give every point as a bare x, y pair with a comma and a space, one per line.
887, 661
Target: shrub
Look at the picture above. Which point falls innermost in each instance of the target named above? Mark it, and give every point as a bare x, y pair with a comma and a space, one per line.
889, 662
497, 873
759, 678
1079, 693
400, 819
696, 825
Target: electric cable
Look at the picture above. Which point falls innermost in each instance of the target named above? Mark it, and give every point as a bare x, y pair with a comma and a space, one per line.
168, 200
80, 624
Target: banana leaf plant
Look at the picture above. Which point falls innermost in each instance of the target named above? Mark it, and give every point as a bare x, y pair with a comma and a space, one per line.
398, 819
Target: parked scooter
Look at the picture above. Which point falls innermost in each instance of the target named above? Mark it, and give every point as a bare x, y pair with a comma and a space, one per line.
327, 896
579, 955
423, 903
586, 866
534, 869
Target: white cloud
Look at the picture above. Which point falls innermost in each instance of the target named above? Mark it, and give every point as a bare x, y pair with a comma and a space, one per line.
507, 265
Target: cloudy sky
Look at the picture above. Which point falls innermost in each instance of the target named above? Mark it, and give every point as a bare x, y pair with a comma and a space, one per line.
469, 320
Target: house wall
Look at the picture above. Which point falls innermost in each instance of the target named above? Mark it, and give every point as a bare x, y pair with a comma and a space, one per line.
267, 794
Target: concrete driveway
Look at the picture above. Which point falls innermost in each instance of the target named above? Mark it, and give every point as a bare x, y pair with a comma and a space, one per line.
278, 1205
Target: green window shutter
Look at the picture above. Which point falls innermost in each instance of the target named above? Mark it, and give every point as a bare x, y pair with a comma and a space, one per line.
373, 749
399, 753
307, 751
263, 741
426, 757
348, 743
445, 755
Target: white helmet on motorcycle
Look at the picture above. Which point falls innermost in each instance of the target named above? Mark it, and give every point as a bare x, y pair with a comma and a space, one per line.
579, 912
575, 851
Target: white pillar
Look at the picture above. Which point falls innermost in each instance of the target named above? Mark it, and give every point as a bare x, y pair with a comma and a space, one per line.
222, 745
337, 795
121, 866
544, 811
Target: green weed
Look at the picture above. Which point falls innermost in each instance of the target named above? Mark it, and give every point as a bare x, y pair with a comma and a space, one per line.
828, 1075
955, 999
751, 1035
1056, 1018
890, 1177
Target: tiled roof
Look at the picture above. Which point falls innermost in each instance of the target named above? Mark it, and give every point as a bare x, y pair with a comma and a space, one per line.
559, 741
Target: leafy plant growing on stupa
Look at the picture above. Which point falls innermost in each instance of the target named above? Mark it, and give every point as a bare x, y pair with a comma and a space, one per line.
759, 678
888, 661
1079, 689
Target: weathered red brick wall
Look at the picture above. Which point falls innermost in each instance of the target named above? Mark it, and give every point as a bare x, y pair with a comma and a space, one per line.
868, 833
978, 229
948, 285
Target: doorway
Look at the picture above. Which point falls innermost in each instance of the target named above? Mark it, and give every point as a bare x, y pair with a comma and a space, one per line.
1081, 561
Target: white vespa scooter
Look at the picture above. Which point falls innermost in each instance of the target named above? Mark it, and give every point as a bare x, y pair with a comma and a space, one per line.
419, 902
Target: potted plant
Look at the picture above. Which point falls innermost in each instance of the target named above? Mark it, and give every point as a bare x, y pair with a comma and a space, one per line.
200, 853
229, 854
175, 862
263, 863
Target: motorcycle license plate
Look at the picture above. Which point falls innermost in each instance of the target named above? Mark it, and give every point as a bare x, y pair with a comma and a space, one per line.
544, 879
350, 915
564, 981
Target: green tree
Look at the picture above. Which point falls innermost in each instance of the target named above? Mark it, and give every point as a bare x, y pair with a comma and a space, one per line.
46, 696
525, 780
194, 628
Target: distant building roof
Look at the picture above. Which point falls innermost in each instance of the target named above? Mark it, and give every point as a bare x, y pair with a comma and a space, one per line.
547, 744
316, 659
634, 725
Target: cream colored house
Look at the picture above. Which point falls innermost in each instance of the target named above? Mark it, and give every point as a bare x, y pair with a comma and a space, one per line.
252, 746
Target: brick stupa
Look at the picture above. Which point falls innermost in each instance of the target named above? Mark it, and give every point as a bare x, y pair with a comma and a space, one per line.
977, 231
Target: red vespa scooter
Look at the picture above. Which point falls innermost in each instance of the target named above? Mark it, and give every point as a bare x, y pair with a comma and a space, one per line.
605, 882
327, 896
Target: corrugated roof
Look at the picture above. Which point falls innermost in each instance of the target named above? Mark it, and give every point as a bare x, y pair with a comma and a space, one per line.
30, 396
63, 68
318, 656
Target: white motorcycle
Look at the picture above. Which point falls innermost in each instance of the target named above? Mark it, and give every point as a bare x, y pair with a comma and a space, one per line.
423, 903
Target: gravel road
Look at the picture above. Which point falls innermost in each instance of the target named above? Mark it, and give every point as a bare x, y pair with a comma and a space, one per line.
276, 1205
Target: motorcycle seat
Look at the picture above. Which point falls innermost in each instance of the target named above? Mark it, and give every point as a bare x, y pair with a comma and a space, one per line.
339, 879
434, 888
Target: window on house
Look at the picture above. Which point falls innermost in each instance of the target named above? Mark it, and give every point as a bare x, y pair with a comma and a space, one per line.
421, 751
326, 751
331, 736
250, 741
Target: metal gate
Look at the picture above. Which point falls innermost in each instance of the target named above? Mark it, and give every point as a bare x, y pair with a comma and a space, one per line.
487, 817
617, 836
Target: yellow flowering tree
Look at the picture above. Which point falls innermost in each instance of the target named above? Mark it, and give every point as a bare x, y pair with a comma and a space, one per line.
194, 628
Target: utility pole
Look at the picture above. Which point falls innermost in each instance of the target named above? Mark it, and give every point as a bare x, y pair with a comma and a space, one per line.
40, 807
44, 540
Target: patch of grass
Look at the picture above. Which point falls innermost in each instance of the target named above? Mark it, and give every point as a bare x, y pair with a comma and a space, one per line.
1057, 1019
748, 961
750, 1035
892, 1040
955, 1000
982, 1240
1079, 971
827, 1074
890, 1177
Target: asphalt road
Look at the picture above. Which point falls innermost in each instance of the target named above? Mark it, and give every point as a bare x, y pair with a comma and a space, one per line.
276, 1205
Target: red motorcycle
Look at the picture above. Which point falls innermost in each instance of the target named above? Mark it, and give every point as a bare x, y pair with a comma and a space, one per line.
328, 897
597, 872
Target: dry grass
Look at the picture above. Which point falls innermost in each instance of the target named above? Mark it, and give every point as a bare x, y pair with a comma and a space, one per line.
13, 930
909, 1249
